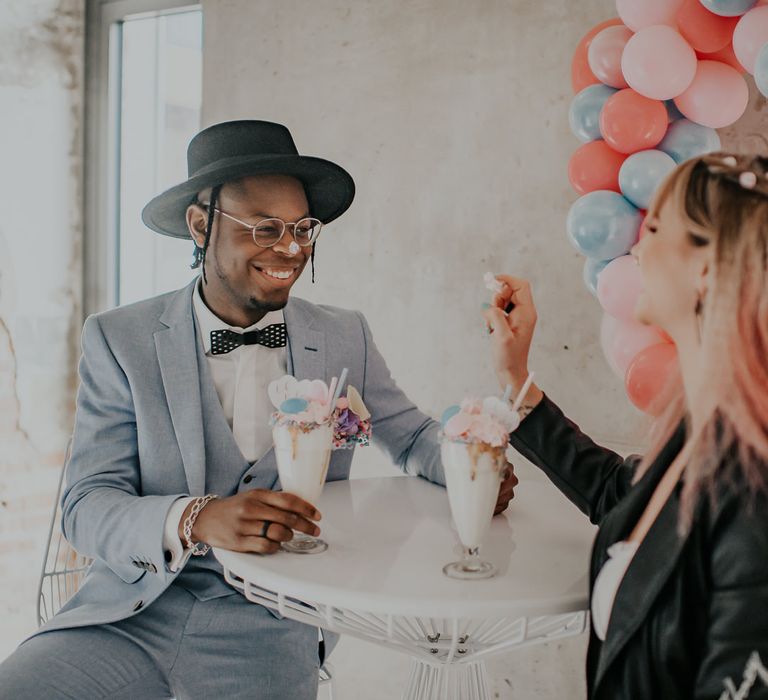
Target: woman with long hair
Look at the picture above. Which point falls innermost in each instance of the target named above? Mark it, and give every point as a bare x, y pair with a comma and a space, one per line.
679, 571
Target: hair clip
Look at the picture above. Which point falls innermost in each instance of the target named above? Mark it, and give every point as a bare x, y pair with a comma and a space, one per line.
730, 161
748, 179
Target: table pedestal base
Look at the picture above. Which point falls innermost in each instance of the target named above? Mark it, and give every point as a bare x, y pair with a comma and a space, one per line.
466, 681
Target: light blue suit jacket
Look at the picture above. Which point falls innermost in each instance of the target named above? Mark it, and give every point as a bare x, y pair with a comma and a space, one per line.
138, 438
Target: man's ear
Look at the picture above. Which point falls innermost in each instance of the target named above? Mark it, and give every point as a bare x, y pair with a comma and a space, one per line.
197, 219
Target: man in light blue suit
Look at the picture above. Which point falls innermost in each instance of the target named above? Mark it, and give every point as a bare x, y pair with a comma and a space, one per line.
171, 451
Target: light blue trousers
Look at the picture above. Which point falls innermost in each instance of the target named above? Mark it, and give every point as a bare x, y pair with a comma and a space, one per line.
221, 649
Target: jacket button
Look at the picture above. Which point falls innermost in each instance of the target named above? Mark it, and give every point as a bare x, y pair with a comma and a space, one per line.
153, 568
247, 479
135, 563
139, 605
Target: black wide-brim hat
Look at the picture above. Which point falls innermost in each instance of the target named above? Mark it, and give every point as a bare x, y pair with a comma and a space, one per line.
232, 150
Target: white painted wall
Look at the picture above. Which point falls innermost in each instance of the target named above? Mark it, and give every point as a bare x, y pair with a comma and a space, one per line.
41, 44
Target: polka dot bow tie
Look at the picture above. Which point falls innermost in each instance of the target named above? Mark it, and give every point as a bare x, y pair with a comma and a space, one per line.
225, 341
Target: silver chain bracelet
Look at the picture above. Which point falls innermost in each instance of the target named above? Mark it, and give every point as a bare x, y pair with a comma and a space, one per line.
197, 548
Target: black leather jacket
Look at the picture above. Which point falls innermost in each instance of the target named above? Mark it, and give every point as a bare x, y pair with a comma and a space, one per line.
690, 610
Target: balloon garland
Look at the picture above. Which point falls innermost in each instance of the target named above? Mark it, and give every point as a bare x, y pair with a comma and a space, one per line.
651, 87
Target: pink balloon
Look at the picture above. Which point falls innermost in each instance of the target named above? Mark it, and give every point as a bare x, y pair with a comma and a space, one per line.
639, 14
604, 55
618, 287
717, 97
750, 35
658, 63
623, 340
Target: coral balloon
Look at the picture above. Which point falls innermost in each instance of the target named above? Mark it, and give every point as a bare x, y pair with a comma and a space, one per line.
750, 35
702, 29
642, 173
602, 225
623, 340
605, 53
581, 75
728, 8
686, 139
591, 274
584, 114
726, 56
595, 166
638, 14
619, 287
717, 97
649, 374
761, 71
630, 122
658, 63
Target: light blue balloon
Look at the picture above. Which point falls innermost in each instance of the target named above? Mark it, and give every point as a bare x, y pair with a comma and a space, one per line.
686, 139
642, 173
603, 225
728, 8
584, 114
592, 270
449, 413
293, 406
761, 70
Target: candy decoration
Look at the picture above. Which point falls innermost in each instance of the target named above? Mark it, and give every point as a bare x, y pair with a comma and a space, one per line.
293, 406
449, 413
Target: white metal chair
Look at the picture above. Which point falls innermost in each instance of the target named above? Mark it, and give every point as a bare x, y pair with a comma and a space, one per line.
64, 570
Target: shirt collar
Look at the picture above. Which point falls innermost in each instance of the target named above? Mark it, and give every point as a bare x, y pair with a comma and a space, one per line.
208, 321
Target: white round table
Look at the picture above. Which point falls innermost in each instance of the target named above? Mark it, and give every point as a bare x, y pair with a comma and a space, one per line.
381, 578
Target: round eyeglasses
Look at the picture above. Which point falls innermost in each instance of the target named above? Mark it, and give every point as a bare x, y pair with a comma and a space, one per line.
268, 232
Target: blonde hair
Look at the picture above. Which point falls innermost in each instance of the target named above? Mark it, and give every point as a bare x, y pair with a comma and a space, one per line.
723, 199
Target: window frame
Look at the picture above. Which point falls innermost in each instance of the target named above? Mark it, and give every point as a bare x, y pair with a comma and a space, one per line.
101, 158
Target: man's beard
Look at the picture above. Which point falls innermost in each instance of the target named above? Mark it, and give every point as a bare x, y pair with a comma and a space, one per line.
264, 307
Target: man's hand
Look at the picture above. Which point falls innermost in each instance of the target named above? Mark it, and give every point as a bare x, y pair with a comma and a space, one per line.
253, 521
507, 490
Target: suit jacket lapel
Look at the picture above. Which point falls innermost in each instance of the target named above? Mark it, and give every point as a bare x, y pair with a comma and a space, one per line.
177, 355
306, 345
653, 563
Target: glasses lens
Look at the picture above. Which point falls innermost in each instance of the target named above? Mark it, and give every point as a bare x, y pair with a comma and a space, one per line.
267, 232
306, 231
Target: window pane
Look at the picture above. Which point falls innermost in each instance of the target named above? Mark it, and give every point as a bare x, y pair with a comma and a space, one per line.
159, 113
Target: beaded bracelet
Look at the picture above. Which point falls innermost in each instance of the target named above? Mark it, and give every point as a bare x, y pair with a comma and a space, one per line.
197, 549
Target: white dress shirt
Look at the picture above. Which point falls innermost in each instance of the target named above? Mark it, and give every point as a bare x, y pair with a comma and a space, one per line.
241, 378
607, 584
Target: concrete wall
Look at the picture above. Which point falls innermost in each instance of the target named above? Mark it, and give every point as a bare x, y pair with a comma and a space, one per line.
41, 66
452, 118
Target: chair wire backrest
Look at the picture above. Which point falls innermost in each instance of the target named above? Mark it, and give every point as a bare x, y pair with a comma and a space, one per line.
63, 568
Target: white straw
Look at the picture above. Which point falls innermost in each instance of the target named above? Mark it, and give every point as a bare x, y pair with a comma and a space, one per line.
332, 393
507, 393
338, 388
523, 392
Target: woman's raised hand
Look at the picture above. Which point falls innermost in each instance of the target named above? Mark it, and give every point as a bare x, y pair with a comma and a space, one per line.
511, 320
